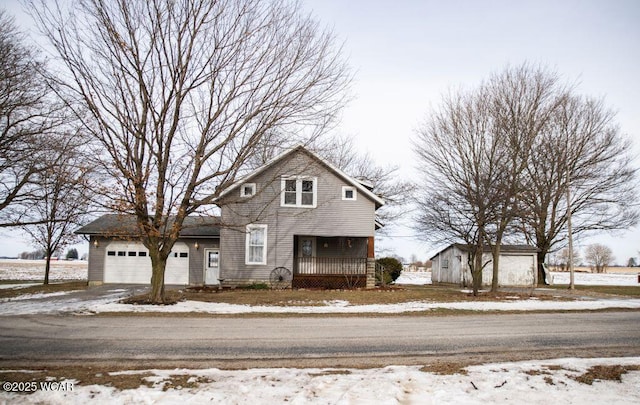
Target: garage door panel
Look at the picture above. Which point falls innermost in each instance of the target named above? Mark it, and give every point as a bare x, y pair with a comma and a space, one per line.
129, 263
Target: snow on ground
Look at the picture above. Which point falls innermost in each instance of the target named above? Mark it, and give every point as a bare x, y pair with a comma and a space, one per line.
16, 286
80, 304
71, 302
342, 308
415, 278
424, 277
35, 296
534, 382
15, 269
596, 278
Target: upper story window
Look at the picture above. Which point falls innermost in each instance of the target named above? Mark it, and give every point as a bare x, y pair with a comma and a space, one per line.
299, 191
248, 190
349, 193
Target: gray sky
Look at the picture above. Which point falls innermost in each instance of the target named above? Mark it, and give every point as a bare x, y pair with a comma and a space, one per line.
406, 54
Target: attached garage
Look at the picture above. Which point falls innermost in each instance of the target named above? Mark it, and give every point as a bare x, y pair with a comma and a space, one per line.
117, 256
129, 263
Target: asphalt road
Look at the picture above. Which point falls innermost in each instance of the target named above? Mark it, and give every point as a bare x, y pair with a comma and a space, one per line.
313, 341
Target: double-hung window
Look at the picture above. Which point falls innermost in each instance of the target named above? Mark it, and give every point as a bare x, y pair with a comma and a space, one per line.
256, 244
299, 191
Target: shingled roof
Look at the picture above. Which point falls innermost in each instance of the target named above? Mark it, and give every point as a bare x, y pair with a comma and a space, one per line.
503, 248
125, 225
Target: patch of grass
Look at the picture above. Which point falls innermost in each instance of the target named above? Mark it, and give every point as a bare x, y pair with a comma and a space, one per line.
81, 376
446, 368
171, 297
330, 372
255, 286
182, 381
611, 373
392, 295
44, 288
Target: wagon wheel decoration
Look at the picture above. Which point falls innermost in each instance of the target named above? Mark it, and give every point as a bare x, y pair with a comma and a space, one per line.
280, 278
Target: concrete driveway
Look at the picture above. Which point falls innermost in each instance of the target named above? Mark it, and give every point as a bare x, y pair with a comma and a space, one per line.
74, 301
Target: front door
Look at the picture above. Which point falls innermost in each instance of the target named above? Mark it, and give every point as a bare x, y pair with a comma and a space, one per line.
307, 254
211, 266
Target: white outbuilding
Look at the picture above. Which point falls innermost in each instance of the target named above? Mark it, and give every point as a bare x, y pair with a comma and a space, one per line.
517, 267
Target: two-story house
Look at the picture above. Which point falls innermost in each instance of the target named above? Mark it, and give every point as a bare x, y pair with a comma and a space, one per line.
297, 219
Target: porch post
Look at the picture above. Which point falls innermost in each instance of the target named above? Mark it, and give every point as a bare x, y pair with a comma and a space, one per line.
371, 263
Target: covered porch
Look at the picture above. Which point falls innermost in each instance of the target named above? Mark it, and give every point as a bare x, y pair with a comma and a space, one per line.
336, 262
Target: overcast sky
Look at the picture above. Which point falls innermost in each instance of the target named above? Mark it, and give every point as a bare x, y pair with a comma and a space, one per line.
406, 54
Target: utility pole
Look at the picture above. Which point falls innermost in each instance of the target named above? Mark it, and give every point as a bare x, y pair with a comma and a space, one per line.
570, 235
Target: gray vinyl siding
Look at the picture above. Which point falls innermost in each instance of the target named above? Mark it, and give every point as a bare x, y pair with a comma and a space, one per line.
332, 217
196, 257
98, 254
95, 265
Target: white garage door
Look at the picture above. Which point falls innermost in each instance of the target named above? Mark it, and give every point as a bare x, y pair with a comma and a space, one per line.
129, 263
516, 270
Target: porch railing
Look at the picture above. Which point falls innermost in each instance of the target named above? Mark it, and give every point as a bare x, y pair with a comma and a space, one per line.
331, 265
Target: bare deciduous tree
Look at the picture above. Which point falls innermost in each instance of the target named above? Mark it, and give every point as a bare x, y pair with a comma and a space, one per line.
475, 151
563, 258
61, 201
599, 256
498, 161
583, 149
457, 155
28, 115
180, 94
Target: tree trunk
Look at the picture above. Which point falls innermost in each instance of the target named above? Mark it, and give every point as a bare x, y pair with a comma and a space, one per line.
476, 272
542, 255
47, 267
543, 250
495, 255
158, 266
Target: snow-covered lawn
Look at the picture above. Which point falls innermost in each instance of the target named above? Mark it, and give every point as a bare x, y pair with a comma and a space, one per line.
33, 270
79, 303
532, 382
414, 278
559, 278
343, 307
596, 278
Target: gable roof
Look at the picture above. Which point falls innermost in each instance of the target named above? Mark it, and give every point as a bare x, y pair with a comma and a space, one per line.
503, 248
362, 186
125, 225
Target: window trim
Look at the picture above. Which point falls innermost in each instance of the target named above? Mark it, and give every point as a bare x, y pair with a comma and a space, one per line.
299, 180
247, 246
253, 190
352, 189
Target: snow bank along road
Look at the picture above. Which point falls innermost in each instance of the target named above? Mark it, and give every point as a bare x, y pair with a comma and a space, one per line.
286, 341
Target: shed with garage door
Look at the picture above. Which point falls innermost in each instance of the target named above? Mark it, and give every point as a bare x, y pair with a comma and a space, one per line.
116, 255
517, 267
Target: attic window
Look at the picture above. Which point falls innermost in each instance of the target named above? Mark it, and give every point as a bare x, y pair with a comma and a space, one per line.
349, 193
248, 189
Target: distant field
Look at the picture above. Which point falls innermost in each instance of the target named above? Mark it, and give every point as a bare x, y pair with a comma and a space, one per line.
610, 270
33, 270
